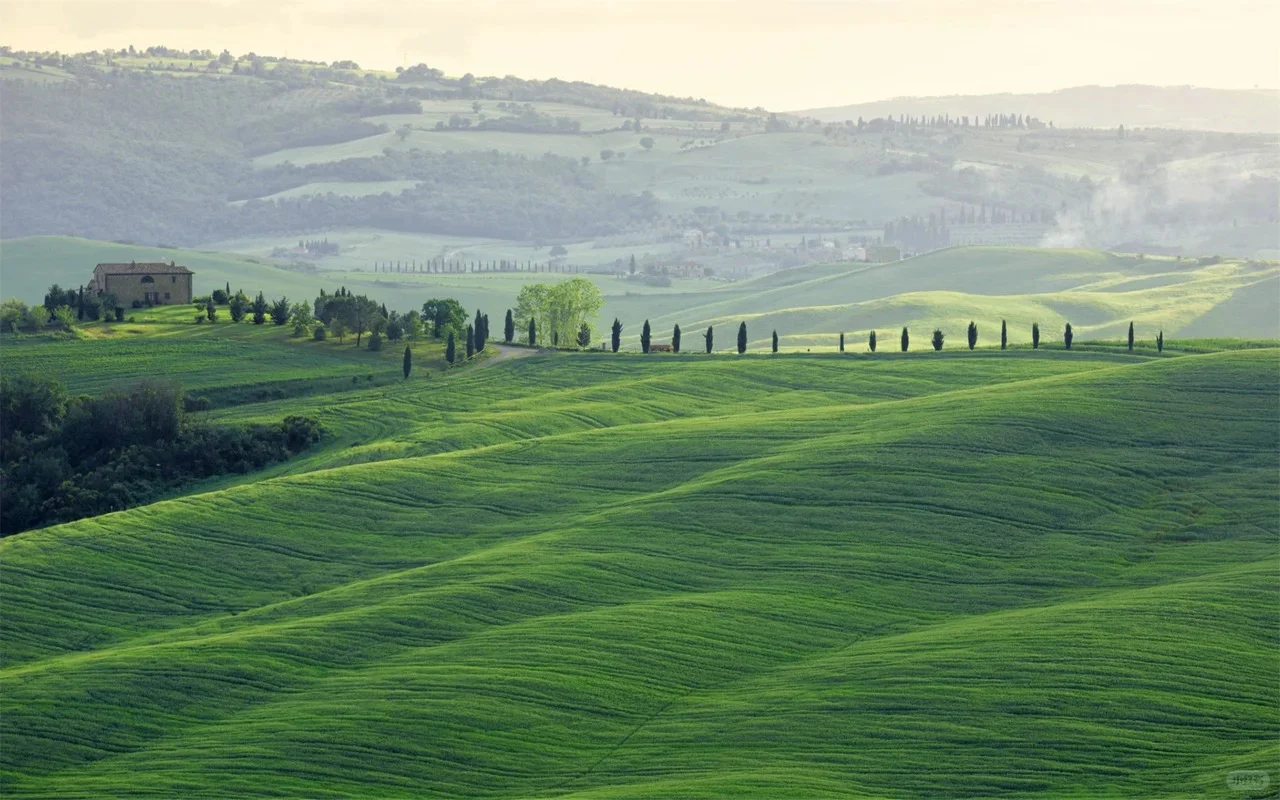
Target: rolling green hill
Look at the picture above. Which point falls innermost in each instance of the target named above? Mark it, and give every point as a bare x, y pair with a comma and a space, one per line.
1023, 573
221, 361
1098, 292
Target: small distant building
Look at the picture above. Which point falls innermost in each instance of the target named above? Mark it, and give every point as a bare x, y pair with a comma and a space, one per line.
692, 237
152, 282
880, 253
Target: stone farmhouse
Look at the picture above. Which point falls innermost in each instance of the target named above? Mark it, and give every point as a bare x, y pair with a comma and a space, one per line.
147, 283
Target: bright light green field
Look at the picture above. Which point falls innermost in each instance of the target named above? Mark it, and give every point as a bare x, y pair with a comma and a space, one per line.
1021, 573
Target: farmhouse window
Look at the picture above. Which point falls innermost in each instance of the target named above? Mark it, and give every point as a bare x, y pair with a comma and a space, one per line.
148, 279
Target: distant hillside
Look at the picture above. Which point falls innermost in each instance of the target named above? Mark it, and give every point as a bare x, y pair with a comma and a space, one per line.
1184, 107
187, 148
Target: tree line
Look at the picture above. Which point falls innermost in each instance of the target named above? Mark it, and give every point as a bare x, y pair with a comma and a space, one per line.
64, 458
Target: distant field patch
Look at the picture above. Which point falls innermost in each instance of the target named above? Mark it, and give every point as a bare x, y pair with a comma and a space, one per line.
340, 188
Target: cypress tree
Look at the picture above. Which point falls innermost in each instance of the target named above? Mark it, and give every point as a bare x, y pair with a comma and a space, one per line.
617, 334
973, 334
775, 341
906, 340
260, 310
450, 350
1035, 335
408, 362
1004, 335
871, 341
938, 336
1067, 336
471, 341
1160, 342
644, 337
1131, 337
709, 337
675, 339
480, 334
80, 306
533, 333
584, 336
841, 341
509, 328
742, 338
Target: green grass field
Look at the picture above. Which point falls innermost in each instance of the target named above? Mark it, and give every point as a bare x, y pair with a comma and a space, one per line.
1021, 573
221, 361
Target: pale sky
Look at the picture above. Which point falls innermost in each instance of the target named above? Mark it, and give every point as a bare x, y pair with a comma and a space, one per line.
780, 55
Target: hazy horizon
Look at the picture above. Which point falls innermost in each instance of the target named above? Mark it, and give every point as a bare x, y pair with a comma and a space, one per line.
806, 55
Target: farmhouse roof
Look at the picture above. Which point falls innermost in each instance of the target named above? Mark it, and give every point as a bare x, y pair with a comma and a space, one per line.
143, 267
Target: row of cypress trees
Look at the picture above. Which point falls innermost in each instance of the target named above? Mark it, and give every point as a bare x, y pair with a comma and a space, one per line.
937, 340
477, 337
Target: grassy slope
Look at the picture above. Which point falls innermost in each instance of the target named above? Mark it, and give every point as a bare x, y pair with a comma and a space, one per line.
223, 360
28, 265
1099, 293
974, 574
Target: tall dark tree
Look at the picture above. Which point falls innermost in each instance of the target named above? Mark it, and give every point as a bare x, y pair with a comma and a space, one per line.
710, 337
509, 328
584, 336
775, 341
450, 349
1004, 335
280, 311
617, 334
938, 338
80, 305
841, 341
533, 333
408, 362
973, 334
259, 308
644, 337
675, 339
1131, 337
1067, 336
1035, 335
633, 264
480, 331
1160, 342
906, 340
471, 340
871, 341
742, 338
